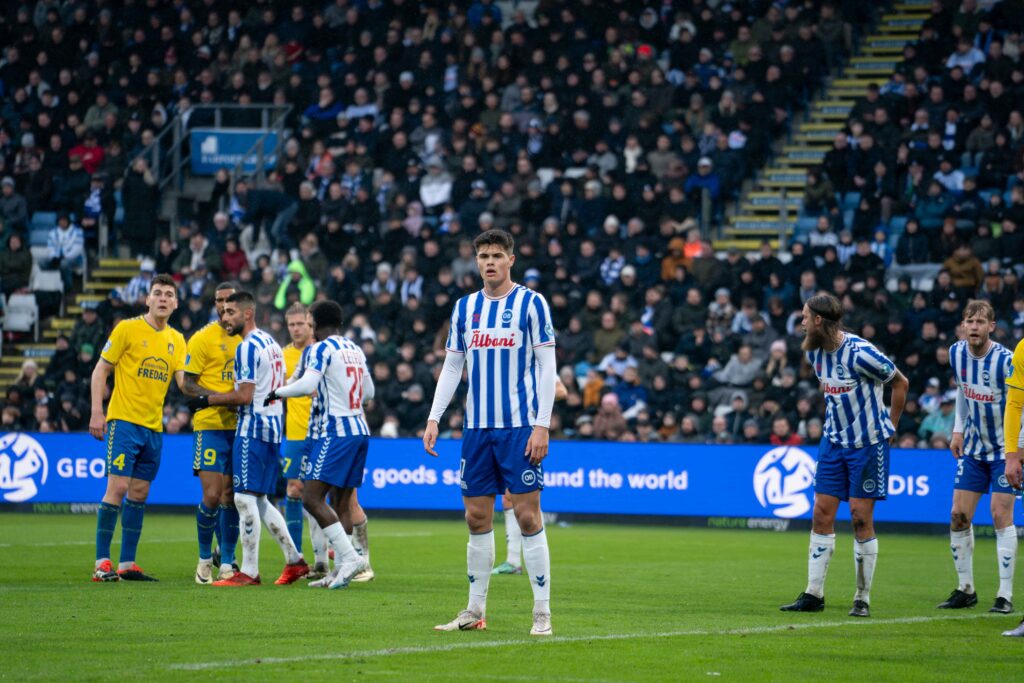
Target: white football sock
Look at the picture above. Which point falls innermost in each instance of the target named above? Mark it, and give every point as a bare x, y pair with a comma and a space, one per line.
961, 543
361, 539
513, 539
865, 555
249, 526
278, 528
479, 562
317, 540
1006, 548
819, 554
343, 550
538, 565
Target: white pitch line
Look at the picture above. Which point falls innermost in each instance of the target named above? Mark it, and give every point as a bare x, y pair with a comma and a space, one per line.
494, 644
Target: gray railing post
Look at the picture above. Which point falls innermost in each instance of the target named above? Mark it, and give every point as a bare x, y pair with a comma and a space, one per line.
705, 212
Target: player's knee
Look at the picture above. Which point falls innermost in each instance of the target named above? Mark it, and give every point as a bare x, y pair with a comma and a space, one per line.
958, 520
823, 515
477, 521
117, 489
530, 522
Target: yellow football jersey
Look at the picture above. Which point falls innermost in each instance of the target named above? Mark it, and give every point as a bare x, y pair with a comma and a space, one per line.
1012, 436
145, 360
211, 357
296, 409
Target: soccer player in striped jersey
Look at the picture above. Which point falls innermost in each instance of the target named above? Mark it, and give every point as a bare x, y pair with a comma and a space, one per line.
980, 367
145, 354
293, 448
1012, 414
259, 370
853, 457
209, 367
339, 437
503, 334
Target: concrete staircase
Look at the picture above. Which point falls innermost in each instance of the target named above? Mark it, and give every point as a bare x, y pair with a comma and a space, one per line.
761, 213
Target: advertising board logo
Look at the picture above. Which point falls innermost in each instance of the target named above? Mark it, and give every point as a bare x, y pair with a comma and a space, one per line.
783, 479
23, 467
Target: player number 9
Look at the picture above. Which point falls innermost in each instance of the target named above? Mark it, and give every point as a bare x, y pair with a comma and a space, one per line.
209, 456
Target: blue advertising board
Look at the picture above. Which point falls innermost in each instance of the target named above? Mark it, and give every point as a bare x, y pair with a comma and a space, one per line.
216, 148
580, 477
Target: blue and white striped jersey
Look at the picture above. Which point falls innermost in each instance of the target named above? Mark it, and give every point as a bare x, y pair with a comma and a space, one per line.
982, 396
852, 377
498, 337
338, 405
260, 361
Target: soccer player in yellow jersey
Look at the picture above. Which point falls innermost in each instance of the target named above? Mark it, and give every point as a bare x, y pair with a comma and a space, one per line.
209, 368
293, 449
145, 353
1011, 433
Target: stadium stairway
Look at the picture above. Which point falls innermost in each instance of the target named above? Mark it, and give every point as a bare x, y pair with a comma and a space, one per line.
110, 274
771, 207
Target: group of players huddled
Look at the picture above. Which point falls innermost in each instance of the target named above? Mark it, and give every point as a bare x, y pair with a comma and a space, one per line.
242, 386
262, 413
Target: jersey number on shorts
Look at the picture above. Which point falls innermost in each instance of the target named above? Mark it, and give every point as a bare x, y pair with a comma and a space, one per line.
119, 462
355, 394
209, 457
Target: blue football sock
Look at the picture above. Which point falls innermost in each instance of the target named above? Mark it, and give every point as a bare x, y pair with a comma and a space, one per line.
131, 528
228, 533
106, 521
206, 522
293, 517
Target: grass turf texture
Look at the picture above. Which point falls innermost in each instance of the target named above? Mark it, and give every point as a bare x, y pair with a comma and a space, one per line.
629, 604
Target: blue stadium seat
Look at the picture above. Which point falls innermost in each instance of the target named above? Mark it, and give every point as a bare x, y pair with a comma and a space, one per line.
44, 220
851, 200
897, 225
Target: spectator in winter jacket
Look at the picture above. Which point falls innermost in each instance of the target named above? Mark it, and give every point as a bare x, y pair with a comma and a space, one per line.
965, 268
13, 208
15, 265
298, 286
66, 245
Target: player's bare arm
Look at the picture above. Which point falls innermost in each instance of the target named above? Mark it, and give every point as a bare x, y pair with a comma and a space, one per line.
900, 387
98, 386
191, 387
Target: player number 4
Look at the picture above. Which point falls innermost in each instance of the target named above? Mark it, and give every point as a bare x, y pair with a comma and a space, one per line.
355, 394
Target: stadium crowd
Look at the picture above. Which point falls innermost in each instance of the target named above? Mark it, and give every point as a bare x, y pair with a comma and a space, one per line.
592, 131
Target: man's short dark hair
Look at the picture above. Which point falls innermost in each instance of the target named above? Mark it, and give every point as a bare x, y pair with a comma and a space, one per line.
165, 280
495, 237
243, 298
326, 315
228, 284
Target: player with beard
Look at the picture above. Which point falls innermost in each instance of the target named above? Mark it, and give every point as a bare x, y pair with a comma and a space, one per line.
853, 457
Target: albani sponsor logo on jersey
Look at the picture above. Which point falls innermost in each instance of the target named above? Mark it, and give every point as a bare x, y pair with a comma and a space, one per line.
973, 394
495, 338
835, 389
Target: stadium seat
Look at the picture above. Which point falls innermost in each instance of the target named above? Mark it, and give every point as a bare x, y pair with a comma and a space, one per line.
47, 281
897, 225
22, 314
851, 200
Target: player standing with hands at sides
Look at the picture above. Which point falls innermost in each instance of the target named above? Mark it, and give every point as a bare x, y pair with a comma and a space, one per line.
980, 367
853, 457
258, 369
1011, 433
293, 448
504, 334
144, 353
338, 434
209, 367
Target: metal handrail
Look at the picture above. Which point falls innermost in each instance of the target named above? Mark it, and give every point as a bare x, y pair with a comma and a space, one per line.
258, 147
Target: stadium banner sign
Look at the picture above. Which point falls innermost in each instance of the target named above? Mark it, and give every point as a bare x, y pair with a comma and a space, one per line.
217, 148
671, 480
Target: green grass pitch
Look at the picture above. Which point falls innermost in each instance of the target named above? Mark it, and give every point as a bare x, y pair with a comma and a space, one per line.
630, 603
